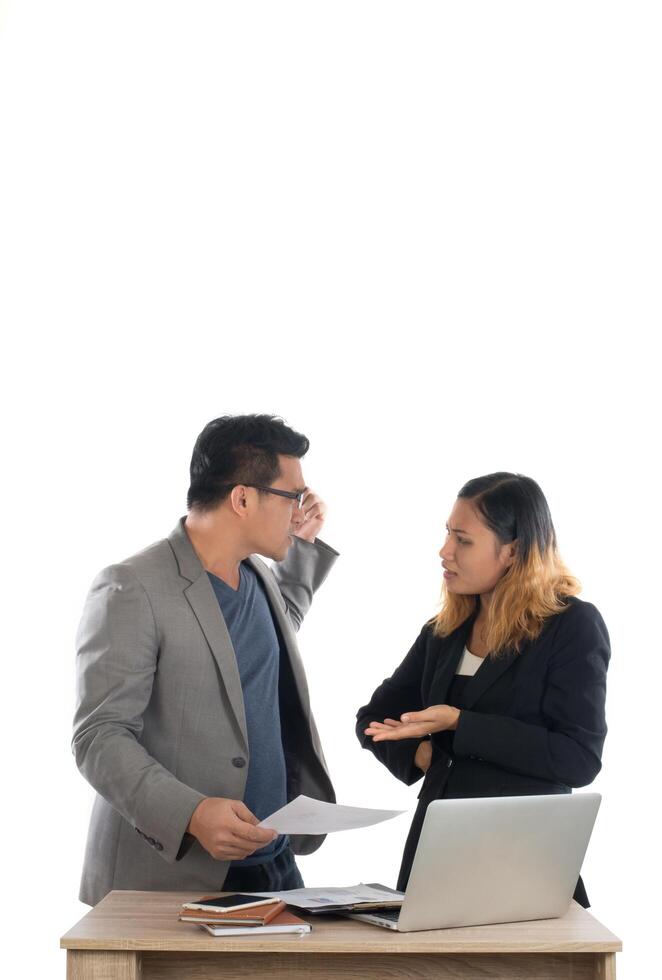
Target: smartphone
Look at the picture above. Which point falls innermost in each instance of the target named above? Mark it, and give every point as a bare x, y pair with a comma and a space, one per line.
225, 903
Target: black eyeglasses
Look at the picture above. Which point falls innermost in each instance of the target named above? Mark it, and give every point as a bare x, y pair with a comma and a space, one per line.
290, 494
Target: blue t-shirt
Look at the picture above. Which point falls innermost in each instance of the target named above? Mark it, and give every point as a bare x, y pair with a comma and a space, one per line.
250, 625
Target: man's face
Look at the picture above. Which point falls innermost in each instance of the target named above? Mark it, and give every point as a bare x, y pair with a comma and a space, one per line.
275, 518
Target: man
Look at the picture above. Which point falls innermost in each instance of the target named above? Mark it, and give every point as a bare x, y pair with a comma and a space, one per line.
193, 721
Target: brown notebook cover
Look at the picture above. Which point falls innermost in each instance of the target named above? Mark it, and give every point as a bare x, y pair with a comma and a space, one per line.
284, 922
259, 916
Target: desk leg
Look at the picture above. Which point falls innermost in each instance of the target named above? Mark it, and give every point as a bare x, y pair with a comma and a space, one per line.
605, 967
103, 964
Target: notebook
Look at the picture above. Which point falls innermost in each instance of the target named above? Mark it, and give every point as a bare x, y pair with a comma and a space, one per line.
283, 923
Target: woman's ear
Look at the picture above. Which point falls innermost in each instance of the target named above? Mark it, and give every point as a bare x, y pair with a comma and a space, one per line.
512, 552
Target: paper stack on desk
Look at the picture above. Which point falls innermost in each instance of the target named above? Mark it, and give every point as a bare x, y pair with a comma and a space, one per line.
354, 898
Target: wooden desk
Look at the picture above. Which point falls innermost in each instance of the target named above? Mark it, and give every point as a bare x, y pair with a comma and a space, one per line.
136, 936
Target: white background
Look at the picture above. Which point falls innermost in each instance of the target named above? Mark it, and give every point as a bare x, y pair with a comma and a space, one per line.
424, 233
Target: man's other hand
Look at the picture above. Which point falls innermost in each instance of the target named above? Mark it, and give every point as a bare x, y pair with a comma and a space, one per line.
307, 522
227, 829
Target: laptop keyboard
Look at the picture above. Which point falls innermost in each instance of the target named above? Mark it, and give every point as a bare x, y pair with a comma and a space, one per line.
392, 914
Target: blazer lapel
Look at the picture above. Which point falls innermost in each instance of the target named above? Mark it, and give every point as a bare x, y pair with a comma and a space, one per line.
447, 666
200, 596
489, 671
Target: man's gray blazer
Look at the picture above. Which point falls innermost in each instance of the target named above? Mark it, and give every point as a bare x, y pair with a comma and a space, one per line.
160, 721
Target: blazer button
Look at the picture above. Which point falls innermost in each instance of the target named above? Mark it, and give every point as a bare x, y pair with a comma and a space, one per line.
239, 763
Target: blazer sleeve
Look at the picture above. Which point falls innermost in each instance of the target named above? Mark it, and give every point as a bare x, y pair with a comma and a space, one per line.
117, 652
300, 574
567, 748
398, 693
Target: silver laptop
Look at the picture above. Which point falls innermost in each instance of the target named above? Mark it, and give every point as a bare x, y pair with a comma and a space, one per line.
502, 859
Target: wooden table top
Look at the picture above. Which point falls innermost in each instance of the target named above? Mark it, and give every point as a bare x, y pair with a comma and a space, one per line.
135, 920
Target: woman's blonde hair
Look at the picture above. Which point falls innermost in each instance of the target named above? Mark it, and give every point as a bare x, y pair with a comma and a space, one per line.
535, 586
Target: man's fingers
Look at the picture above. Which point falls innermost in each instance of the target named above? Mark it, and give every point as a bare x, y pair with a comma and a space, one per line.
227, 853
313, 506
243, 832
244, 827
255, 835
242, 811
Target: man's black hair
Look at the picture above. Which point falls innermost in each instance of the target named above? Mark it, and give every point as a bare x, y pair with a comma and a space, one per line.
239, 449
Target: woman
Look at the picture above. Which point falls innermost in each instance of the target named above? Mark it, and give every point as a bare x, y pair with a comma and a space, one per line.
503, 692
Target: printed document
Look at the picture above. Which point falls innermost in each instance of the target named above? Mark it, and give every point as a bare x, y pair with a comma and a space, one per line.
306, 816
314, 899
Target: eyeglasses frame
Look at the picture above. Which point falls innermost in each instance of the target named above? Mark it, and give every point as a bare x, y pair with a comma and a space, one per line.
290, 494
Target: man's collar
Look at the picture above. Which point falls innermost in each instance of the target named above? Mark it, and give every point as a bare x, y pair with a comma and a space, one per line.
190, 566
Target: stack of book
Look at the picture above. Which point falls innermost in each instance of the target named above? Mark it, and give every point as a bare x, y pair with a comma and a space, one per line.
242, 915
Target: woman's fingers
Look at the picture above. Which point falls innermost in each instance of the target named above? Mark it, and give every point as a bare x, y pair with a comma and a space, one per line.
438, 718
427, 715
415, 724
414, 730
412, 724
436, 714
388, 723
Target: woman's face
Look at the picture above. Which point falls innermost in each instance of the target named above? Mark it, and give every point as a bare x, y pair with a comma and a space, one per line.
472, 556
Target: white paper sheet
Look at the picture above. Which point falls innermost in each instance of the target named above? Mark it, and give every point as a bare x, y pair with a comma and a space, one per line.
306, 816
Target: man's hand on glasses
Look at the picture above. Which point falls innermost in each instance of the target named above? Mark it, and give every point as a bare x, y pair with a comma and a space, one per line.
307, 522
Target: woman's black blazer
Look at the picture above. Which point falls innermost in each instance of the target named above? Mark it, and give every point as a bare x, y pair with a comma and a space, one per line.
533, 722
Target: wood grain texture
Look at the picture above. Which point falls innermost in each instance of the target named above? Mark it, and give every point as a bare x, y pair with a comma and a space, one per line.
131, 920
103, 965
277, 966
606, 969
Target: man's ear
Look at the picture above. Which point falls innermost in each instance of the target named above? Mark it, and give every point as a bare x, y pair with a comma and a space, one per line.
239, 501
